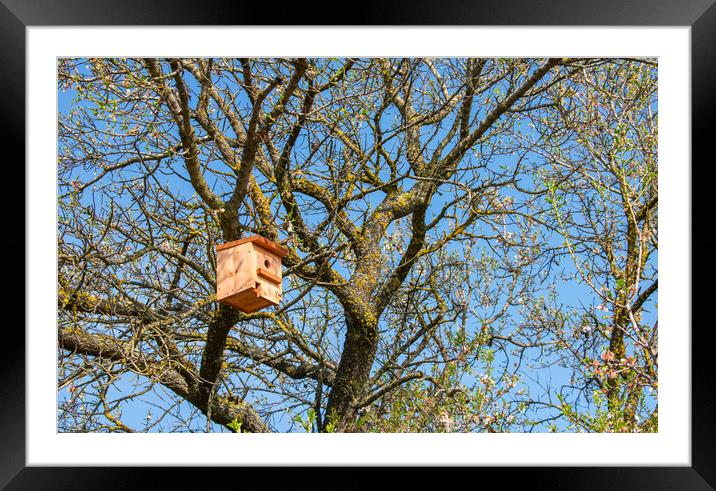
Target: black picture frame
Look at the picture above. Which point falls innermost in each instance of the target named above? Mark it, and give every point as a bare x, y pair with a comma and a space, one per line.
16, 15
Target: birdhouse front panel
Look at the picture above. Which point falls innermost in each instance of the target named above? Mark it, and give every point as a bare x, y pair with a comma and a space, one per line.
248, 273
268, 272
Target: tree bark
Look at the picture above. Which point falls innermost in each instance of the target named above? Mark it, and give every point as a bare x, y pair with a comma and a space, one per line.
353, 371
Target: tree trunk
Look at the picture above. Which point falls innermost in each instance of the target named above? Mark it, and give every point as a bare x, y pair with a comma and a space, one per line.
353, 371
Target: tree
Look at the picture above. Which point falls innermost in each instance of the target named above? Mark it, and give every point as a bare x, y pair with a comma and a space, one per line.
604, 135
420, 201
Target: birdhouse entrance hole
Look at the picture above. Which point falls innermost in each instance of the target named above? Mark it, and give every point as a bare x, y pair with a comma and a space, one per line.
248, 273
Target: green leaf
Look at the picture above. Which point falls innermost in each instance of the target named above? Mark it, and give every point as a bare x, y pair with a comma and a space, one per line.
234, 426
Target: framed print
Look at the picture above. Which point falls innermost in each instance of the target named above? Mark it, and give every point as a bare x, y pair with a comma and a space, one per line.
420, 237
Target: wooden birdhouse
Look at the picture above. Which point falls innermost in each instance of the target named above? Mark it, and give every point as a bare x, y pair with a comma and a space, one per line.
248, 273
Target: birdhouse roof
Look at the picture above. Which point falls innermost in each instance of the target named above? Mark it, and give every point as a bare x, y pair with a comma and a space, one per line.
260, 241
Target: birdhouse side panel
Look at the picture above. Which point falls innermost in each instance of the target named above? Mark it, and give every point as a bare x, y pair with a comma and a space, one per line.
235, 270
